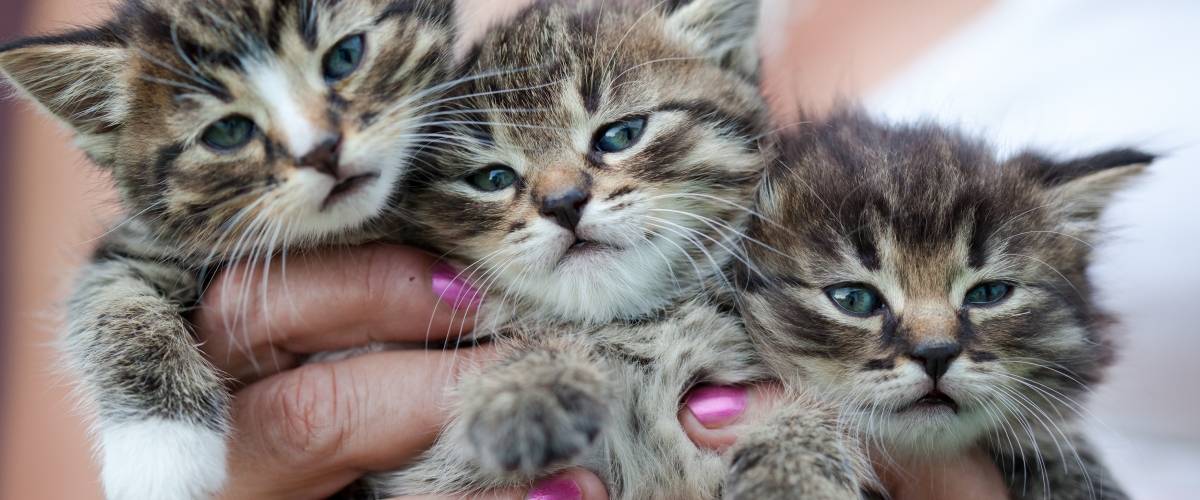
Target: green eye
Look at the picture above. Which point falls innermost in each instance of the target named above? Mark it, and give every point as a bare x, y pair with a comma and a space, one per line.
344, 57
987, 294
230, 133
492, 179
857, 300
617, 137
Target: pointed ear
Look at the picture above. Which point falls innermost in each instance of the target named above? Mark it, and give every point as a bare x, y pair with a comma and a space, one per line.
76, 77
1082, 188
725, 30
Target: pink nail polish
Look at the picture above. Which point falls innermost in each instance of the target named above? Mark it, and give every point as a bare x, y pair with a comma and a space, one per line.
556, 489
453, 290
716, 405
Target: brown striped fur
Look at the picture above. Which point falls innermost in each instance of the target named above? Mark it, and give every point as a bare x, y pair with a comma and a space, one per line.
322, 166
921, 214
607, 345
664, 214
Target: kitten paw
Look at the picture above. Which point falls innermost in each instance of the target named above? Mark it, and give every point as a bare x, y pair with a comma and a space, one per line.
527, 428
760, 473
161, 459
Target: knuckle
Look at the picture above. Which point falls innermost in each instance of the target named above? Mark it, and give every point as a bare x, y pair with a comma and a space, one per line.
312, 420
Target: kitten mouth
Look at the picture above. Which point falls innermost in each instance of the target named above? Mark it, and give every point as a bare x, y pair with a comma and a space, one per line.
583, 247
935, 400
347, 187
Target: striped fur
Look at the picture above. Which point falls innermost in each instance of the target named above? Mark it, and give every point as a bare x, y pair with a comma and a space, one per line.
608, 344
922, 214
322, 166
664, 214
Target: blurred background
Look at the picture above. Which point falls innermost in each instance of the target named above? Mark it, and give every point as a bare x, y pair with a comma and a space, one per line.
1069, 76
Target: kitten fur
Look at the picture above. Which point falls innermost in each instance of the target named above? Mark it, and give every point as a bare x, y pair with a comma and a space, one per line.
321, 167
611, 337
653, 220
920, 215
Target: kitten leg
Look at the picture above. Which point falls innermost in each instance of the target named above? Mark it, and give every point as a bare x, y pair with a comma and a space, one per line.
163, 410
541, 407
798, 454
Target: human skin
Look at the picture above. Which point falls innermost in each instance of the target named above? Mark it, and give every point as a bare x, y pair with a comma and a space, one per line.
309, 430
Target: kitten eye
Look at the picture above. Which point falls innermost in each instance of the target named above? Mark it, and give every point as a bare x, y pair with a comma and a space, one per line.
619, 136
856, 300
344, 57
492, 179
988, 294
229, 133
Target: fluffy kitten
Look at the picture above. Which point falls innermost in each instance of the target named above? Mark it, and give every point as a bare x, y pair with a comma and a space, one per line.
232, 128
936, 293
581, 180
598, 177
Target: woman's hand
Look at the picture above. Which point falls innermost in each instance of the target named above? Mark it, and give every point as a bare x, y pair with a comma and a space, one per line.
712, 416
309, 431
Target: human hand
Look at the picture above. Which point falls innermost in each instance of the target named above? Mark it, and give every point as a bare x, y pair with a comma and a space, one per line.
308, 431
713, 416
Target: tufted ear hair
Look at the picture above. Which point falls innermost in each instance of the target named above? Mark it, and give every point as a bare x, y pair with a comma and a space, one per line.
1083, 187
77, 77
725, 30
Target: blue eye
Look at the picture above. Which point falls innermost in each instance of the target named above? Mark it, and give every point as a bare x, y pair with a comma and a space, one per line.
617, 137
228, 134
492, 179
989, 293
344, 57
857, 300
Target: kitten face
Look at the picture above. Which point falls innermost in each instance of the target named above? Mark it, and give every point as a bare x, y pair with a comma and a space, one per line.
599, 155
939, 294
223, 119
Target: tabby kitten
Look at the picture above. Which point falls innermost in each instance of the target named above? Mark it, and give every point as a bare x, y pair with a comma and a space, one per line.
936, 293
232, 128
591, 193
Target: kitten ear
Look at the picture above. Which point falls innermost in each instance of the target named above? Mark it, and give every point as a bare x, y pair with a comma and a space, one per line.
77, 78
725, 30
1082, 188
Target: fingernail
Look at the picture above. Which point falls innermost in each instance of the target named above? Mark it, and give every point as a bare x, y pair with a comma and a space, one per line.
714, 406
452, 289
560, 488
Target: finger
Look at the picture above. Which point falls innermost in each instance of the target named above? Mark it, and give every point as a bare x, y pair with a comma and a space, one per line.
713, 415
256, 321
311, 431
570, 485
971, 476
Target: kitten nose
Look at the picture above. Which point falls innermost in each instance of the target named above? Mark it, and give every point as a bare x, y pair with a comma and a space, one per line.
936, 358
324, 157
566, 208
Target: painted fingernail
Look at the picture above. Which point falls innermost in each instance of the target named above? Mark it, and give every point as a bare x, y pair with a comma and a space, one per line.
453, 290
560, 488
714, 406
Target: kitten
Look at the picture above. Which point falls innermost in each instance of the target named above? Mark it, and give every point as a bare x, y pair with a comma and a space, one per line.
232, 128
593, 184
938, 294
